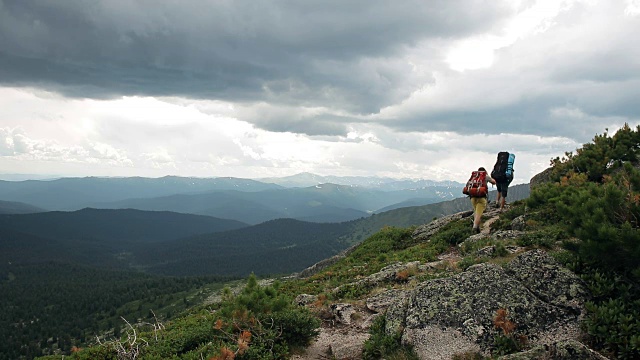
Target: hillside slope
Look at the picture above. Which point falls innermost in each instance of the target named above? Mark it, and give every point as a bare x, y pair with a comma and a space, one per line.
96, 237
13, 207
417, 215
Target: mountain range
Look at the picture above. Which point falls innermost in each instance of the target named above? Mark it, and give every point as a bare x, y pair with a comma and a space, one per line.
244, 200
137, 234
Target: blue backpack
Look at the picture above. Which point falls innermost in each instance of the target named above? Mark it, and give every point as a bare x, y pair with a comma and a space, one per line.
512, 159
503, 169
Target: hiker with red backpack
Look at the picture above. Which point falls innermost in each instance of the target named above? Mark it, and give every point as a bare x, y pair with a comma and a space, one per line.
477, 189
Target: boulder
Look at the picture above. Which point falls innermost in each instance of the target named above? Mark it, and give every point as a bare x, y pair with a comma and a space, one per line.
388, 274
456, 314
342, 313
549, 281
424, 232
519, 223
541, 178
380, 302
561, 350
305, 299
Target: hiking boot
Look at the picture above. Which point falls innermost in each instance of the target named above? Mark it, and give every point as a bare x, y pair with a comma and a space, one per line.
475, 230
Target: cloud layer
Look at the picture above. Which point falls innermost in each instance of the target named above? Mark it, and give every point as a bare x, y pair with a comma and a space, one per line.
194, 86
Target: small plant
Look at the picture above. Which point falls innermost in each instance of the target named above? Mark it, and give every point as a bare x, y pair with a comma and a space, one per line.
507, 342
500, 250
545, 238
402, 275
469, 355
466, 262
381, 345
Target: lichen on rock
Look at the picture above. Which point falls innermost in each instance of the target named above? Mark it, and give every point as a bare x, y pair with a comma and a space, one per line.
539, 295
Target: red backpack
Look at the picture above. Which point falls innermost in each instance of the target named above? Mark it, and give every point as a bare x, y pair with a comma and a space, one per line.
477, 185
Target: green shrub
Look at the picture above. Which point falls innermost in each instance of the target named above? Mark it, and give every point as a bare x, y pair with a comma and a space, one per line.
500, 250
467, 261
545, 238
451, 234
614, 325
380, 345
505, 219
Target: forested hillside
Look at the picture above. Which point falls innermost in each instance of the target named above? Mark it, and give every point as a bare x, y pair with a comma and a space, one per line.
96, 237
55, 306
275, 247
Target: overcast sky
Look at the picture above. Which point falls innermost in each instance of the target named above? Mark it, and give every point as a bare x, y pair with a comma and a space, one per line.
256, 88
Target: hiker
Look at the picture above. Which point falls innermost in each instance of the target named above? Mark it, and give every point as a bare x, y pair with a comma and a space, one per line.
503, 175
503, 187
477, 190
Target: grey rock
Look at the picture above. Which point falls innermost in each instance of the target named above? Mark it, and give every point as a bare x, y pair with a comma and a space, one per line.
321, 265
424, 232
561, 350
342, 313
541, 178
487, 251
507, 234
512, 249
549, 281
396, 315
305, 299
388, 274
543, 299
380, 302
519, 223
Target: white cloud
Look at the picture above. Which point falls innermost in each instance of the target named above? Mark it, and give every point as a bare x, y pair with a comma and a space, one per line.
633, 8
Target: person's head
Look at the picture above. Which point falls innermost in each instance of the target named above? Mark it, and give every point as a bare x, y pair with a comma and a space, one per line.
482, 169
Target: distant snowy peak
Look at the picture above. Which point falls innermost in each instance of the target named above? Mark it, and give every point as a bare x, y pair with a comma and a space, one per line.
371, 182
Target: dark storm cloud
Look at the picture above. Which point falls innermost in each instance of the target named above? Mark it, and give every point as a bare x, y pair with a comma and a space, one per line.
232, 50
545, 115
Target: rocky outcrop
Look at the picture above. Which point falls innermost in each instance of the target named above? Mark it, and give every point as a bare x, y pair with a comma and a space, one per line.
549, 281
321, 265
388, 274
442, 317
380, 302
424, 232
561, 350
541, 178
519, 223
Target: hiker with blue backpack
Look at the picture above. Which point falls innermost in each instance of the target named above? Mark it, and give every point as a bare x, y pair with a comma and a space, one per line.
477, 189
503, 174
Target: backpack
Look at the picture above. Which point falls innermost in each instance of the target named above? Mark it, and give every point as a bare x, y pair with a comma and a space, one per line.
512, 159
477, 184
503, 169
